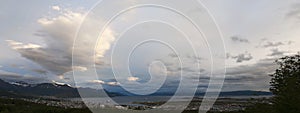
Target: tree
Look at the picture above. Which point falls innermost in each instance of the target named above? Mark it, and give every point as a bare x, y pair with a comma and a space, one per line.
285, 85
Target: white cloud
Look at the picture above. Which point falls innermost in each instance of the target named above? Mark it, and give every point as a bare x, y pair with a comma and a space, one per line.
97, 81
60, 83
56, 8
104, 43
61, 77
19, 45
14, 43
80, 68
132, 79
113, 83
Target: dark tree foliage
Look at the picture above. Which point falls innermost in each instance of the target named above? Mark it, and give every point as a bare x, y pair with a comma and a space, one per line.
260, 108
285, 85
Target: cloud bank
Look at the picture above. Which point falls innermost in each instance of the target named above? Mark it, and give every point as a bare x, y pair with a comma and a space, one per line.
58, 34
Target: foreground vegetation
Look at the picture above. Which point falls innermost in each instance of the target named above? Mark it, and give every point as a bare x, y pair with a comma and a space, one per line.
20, 106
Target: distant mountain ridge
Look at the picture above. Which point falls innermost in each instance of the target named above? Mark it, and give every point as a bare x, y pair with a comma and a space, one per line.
23, 89
224, 94
246, 93
18, 89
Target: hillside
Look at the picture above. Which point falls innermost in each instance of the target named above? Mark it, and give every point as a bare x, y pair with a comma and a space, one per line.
22, 89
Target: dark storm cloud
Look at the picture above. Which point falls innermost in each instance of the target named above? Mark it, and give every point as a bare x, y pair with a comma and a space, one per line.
272, 44
173, 55
261, 68
14, 77
250, 76
194, 58
239, 78
40, 71
54, 61
265, 43
246, 76
294, 12
5, 74
277, 52
239, 39
241, 57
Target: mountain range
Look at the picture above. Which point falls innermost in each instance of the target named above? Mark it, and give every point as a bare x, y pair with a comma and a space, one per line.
23, 89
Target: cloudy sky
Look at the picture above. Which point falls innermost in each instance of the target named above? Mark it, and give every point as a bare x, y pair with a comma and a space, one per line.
36, 43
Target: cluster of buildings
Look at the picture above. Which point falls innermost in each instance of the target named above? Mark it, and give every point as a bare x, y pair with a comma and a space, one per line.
222, 105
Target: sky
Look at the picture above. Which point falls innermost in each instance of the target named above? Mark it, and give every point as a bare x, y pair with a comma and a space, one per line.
146, 48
